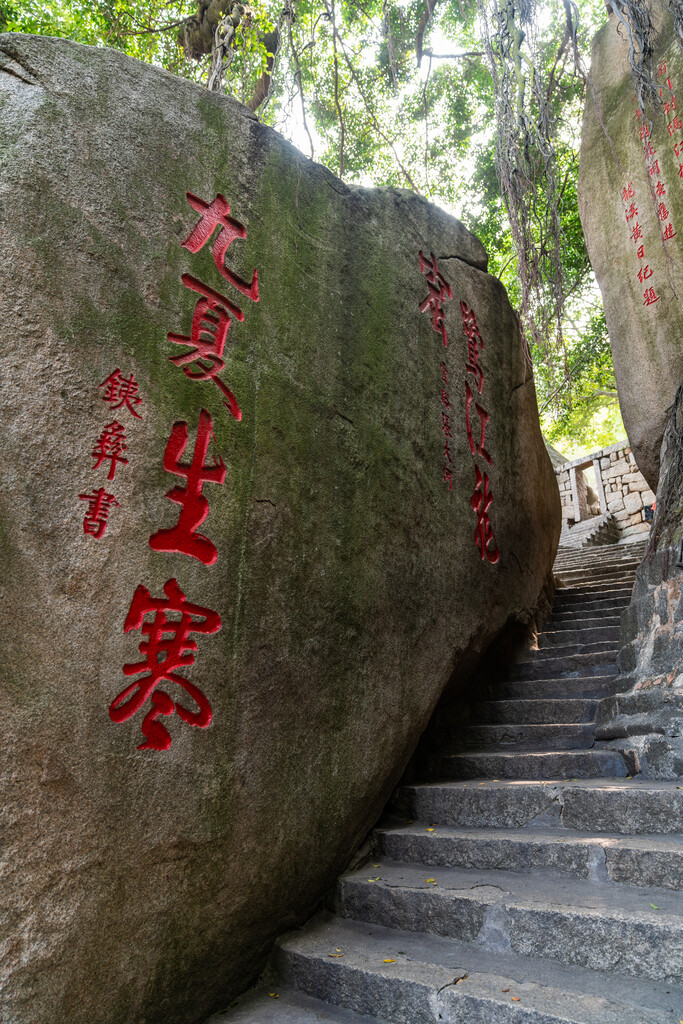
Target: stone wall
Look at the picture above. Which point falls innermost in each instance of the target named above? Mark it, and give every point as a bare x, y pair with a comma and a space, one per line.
646, 720
622, 490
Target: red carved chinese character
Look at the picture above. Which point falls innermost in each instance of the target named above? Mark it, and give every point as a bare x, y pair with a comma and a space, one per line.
444, 373
675, 125
210, 324
661, 69
439, 290
628, 192
639, 115
680, 170
644, 131
448, 477
648, 149
668, 232
632, 212
111, 446
662, 212
445, 398
215, 215
446, 424
670, 105
637, 232
641, 252
447, 453
182, 539
654, 169
166, 649
99, 506
659, 189
484, 418
644, 273
474, 341
650, 297
120, 391
481, 503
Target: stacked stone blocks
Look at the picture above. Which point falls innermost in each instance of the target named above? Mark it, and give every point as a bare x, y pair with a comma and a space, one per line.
623, 491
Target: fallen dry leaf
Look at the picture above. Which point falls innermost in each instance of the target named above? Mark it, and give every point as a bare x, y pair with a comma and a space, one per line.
515, 999
335, 954
389, 961
274, 995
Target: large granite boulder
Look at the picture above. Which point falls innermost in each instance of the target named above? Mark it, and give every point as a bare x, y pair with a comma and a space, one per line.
646, 719
235, 578
631, 205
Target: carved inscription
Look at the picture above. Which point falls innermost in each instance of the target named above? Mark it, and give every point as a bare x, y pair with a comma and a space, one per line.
438, 291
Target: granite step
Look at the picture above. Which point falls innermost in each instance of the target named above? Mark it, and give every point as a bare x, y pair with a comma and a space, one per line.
648, 860
537, 737
597, 606
580, 635
404, 977
593, 924
574, 686
625, 806
277, 1004
528, 764
544, 666
532, 712
577, 622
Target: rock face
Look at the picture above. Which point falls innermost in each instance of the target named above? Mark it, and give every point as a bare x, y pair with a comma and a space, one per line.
647, 718
222, 636
635, 235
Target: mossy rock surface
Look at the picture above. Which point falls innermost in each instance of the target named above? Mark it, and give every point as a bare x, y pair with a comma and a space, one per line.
631, 206
145, 885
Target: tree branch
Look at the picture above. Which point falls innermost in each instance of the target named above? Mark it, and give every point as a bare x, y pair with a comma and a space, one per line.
422, 28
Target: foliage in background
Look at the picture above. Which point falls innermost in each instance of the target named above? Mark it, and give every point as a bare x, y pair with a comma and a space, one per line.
445, 97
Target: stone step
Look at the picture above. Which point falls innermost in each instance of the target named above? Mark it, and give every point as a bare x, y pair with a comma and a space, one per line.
625, 806
634, 860
608, 574
534, 712
537, 737
529, 764
593, 686
404, 977
609, 646
586, 617
597, 925
609, 605
580, 622
593, 592
544, 666
276, 1004
579, 635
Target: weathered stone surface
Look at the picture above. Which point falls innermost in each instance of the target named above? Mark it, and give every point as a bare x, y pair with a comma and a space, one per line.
645, 338
647, 718
145, 885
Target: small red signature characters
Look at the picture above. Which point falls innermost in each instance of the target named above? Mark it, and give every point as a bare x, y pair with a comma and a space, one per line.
100, 504
122, 391
439, 290
111, 447
481, 502
182, 539
168, 647
213, 312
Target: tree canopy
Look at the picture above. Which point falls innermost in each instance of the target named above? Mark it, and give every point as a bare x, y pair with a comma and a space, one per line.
474, 104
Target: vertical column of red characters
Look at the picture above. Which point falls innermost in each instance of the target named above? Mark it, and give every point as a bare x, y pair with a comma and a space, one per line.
439, 290
167, 623
482, 498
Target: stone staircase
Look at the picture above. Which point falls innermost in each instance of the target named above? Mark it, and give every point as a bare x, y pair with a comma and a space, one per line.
596, 531
529, 879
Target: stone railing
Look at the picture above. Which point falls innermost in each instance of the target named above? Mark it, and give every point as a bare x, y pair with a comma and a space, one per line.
620, 489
